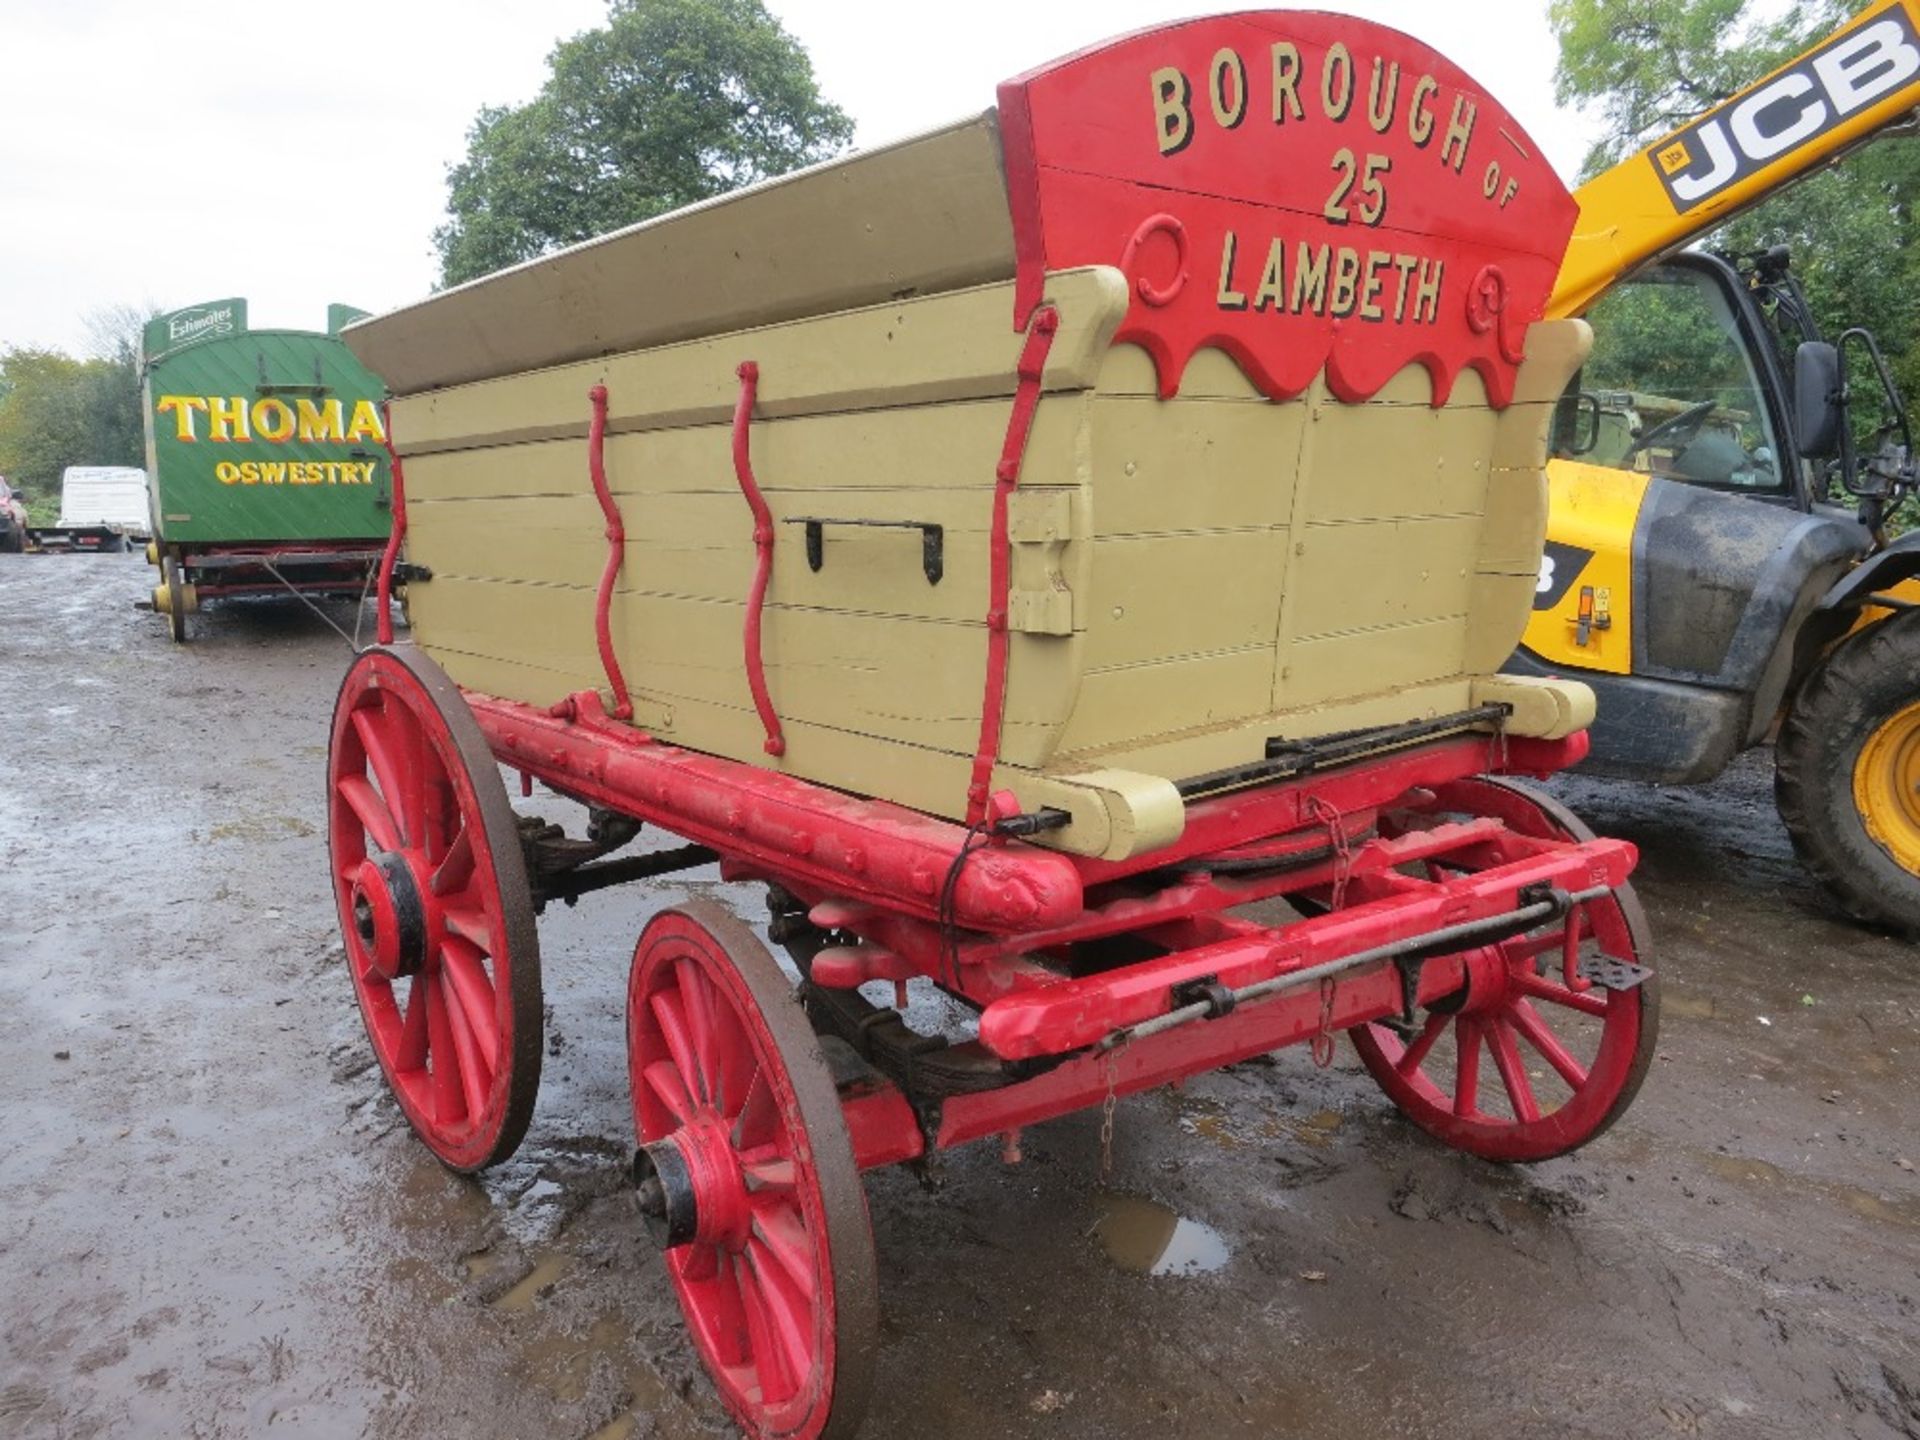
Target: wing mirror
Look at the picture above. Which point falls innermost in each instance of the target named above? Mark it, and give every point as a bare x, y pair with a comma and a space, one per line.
1819, 399
1576, 423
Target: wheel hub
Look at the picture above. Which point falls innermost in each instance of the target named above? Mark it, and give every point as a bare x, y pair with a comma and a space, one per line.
690, 1189
390, 915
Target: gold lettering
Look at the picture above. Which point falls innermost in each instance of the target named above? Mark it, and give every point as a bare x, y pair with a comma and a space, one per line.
321, 422
1369, 305
1227, 62
1490, 181
273, 418
1506, 195
1227, 297
1336, 81
365, 424
227, 418
1310, 279
181, 407
1379, 113
1172, 117
1286, 82
227, 473
1346, 282
1404, 264
1426, 293
249, 472
1419, 114
1453, 149
273, 472
1272, 294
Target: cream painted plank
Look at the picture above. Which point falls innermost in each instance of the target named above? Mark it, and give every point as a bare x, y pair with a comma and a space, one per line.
943, 446
926, 214
1399, 460
1118, 707
1191, 464
956, 346
1358, 663
1358, 576
916, 682
1164, 596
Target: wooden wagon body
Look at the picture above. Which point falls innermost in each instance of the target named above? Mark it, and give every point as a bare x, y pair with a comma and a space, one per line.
1201, 554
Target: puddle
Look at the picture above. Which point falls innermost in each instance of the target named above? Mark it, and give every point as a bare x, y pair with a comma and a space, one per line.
1147, 1238
524, 1290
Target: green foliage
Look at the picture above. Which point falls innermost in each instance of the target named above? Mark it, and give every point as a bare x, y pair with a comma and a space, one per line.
675, 101
1647, 66
57, 411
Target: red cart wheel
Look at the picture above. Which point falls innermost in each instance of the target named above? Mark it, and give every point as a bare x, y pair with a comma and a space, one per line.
1528, 1068
747, 1178
434, 906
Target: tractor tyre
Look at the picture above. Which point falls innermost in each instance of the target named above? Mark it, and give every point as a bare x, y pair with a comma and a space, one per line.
1847, 773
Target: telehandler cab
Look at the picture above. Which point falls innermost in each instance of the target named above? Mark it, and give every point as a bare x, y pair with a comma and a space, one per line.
1698, 573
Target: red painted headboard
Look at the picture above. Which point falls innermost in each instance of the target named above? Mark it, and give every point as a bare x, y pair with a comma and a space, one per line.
1296, 188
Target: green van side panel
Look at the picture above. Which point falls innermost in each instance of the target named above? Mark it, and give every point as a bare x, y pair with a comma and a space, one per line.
316, 488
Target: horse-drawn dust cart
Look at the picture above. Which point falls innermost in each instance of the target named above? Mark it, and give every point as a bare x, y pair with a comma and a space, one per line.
1020, 548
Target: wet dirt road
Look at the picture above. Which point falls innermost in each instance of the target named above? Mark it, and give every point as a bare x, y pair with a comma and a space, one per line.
213, 1222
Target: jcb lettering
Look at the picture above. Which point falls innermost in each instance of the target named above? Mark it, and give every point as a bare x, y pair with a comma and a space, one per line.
1789, 110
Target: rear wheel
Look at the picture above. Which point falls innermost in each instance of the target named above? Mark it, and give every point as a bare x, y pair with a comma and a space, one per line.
1539, 1061
1847, 773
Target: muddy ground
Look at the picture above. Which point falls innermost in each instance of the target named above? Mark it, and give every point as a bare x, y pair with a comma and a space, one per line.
213, 1222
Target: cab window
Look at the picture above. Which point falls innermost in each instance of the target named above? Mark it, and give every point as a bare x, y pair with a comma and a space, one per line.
1675, 386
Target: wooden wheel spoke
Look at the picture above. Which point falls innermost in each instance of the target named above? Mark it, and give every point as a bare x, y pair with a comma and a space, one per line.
783, 1235
1528, 1022
378, 741
469, 922
775, 1172
664, 1080
411, 1053
1513, 1074
466, 973
449, 1102
1416, 1052
370, 810
457, 868
1541, 988
789, 1311
759, 1115
698, 1008
668, 1014
1466, 1079
474, 1077
767, 1348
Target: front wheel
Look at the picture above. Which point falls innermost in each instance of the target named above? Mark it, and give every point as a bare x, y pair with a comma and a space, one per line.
1847, 773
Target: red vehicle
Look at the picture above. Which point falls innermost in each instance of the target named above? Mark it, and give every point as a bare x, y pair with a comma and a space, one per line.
1478, 945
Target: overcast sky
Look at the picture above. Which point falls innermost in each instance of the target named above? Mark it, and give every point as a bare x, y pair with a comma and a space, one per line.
296, 154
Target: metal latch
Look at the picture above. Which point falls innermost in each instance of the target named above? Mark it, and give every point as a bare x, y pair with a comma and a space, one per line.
932, 540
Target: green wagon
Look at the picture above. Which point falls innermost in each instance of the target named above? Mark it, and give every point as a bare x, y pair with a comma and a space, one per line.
266, 457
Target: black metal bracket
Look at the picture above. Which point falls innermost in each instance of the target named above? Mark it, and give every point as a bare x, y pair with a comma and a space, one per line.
1288, 759
933, 539
1206, 990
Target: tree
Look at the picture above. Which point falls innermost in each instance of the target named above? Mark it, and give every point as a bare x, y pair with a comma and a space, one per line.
57, 411
675, 101
1648, 66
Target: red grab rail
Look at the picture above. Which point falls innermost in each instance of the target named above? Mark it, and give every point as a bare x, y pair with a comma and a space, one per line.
749, 373
1026, 398
616, 552
383, 622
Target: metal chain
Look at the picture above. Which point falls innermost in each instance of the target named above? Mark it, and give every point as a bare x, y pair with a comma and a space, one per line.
1106, 1118
1336, 825
1323, 1037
